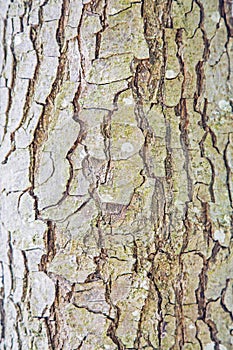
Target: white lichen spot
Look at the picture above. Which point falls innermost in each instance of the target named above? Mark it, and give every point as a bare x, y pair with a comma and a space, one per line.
105, 197
170, 74
215, 16
224, 105
18, 40
127, 147
191, 326
219, 235
83, 154
42, 293
211, 346
128, 100
136, 313
65, 103
144, 284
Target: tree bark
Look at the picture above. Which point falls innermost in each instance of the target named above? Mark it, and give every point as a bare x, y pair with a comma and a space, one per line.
116, 174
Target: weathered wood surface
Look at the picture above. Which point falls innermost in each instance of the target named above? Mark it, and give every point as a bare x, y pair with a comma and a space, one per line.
116, 174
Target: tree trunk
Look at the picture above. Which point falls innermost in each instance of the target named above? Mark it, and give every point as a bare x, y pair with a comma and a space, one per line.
116, 174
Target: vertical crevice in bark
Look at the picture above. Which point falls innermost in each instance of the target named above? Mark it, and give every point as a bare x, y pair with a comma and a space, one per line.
60, 34
50, 245
200, 292
41, 130
104, 25
111, 330
34, 33
25, 278
2, 309
11, 87
226, 8
228, 173
79, 40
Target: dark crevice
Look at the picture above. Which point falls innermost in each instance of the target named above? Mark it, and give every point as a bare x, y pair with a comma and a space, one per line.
228, 173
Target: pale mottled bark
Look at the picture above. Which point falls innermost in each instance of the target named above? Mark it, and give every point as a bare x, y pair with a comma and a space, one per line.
116, 174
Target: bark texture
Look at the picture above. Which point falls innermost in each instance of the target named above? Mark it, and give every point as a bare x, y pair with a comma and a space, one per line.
116, 174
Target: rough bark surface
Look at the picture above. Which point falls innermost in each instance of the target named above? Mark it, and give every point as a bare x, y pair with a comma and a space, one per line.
116, 174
